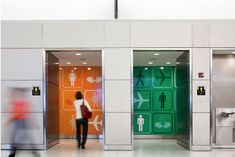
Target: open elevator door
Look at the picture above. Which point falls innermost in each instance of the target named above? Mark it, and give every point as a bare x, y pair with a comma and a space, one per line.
51, 108
183, 97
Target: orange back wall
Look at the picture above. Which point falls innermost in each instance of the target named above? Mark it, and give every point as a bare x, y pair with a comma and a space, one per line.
89, 82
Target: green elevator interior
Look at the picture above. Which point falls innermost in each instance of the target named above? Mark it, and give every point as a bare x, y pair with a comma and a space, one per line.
161, 93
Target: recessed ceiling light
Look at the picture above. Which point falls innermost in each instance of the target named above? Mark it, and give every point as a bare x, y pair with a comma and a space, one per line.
75, 68
145, 68
68, 63
56, 62
60, 68
78, 54
161, 68
88, 68
233, 52
156, 54
84, 63
177, 62
150, 63
168, 62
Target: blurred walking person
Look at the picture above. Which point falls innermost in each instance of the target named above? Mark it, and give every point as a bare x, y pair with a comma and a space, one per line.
20, 120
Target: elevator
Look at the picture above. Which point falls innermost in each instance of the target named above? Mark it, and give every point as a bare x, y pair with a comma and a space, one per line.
223, 100
161, 95
66, 72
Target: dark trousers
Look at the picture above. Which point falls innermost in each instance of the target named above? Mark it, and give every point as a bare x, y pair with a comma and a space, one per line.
84, 123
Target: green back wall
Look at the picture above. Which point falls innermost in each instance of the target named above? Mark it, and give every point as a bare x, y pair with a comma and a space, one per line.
155, 100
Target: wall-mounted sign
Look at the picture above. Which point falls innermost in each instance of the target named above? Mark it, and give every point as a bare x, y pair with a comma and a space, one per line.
36, 91
201, 90
201, 75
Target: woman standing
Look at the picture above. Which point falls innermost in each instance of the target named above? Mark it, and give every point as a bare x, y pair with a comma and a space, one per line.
80, 121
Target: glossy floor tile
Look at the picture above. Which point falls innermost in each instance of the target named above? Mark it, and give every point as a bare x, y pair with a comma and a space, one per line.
142, 148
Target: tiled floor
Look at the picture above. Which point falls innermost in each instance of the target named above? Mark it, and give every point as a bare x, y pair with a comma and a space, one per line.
142, 148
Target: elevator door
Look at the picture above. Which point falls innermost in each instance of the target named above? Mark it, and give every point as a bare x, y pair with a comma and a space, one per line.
52, 100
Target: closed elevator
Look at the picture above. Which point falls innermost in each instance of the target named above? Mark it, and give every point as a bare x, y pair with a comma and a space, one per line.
223, 100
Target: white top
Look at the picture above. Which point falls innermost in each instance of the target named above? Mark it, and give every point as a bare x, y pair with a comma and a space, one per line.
77, 104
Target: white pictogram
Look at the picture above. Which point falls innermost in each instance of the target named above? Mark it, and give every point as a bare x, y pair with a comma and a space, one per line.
72, 78
95, 100
72, 122
140, 100
95, 123
140, 122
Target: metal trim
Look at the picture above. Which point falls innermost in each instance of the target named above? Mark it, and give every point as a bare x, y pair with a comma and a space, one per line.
190, 144
118, 147
103, 97
155, 136
44, 98
131, 96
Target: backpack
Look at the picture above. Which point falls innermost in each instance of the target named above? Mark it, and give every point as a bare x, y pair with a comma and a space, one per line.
85, 111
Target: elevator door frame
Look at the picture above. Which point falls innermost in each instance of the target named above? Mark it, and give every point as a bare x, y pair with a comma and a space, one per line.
45, 144
212, 119
188, 145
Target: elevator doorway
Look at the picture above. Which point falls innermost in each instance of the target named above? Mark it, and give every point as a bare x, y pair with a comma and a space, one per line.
223, 100
66, 72
161, 95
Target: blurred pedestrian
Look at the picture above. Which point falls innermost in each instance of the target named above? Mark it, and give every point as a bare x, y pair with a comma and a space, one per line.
20, 120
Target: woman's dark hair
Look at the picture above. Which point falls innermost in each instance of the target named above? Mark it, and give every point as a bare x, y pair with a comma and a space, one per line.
78, 95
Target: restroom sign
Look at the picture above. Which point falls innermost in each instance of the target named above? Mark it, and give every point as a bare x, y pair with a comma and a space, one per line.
201, 90
36, 91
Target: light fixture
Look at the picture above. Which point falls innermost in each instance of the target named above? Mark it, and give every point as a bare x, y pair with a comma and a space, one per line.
161, 68
84, 63
168, 63
156, 54
75, 68
233, 52
177, 62
89, 68
150, 63
78, 54
145, 68
68, 63
60, 68
56, 62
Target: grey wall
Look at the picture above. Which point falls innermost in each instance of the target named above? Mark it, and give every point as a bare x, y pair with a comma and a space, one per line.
118, 39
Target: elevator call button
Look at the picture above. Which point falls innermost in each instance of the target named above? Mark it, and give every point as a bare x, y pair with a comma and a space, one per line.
201, 90
36, 91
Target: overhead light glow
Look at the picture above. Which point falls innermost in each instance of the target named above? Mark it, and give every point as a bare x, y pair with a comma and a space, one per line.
56, 62
145, 68
75, 68
156, 54
68, 63
233, 52
177, 62
78, 54
161, 68
60, 68
168, 62
150, 63
84, 63
88, 68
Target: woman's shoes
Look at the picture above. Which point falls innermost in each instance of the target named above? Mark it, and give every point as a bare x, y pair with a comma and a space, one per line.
83, 146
